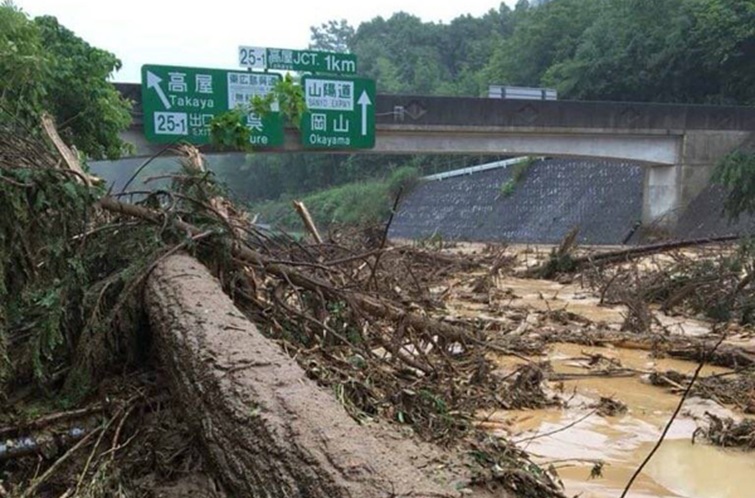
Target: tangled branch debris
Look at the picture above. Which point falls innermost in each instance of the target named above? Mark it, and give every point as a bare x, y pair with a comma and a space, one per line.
559, 263
728, 433
355, 316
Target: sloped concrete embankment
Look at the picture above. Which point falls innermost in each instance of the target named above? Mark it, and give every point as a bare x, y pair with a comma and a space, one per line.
603, 198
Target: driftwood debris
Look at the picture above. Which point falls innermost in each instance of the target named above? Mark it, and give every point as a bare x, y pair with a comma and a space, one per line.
624, 255
685, 347
373, 305
303, 212
68, 155
267, 429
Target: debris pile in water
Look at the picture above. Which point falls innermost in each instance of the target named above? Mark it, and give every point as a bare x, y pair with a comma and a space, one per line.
728, 433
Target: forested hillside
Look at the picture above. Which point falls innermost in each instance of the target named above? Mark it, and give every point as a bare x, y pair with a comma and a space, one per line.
691, 51
686, 51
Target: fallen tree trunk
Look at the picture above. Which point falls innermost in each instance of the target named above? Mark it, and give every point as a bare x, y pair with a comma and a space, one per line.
685, 347
267, 429
624, 255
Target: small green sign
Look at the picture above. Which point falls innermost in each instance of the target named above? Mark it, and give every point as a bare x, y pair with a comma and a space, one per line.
340, 113
312, 61
180, 102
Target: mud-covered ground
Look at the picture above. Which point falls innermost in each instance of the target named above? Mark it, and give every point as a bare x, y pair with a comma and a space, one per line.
591, 363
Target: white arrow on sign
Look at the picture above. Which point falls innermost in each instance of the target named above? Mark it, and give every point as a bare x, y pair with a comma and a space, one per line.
153, 81
364, 101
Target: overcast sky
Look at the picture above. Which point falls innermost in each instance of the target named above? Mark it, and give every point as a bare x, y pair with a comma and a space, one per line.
207, 33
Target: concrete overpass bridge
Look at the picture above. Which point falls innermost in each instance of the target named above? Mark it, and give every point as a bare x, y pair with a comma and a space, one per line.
679, 144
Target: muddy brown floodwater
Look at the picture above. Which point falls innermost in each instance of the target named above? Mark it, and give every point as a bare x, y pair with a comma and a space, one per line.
679, 469
573, 438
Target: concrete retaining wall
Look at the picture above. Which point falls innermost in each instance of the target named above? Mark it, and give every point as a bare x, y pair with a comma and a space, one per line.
603, 197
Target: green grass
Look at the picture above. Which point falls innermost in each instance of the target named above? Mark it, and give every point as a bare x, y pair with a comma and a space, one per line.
350, 204
518, 173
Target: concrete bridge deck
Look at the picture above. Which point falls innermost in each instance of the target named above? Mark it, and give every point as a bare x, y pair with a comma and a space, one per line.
680, 144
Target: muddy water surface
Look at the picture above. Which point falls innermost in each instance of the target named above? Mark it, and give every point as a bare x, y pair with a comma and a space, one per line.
574, 438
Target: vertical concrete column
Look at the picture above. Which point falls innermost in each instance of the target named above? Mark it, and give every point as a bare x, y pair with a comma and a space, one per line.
662, 196
670, 189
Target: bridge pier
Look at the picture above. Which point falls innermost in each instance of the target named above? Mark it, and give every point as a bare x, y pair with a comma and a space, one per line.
669, 189
661, 199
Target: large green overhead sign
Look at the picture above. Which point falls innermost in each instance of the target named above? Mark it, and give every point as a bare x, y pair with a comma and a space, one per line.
180, 102
340, 113
311, 61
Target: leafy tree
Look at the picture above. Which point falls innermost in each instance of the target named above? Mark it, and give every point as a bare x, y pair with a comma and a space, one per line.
736, 172
691, 51
722, 41
45, 67
333, 36
629, 53
23, 65
541, 37
405, 55
407, 43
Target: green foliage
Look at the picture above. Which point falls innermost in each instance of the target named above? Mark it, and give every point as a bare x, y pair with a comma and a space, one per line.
736, 172
612, 62
49, 304
229, 130
354, 203
402, 180
722, 47
625, 50
89, 110
405, 55
41, 271
518, 173
541, 38
23, 64
692, 51
359, 203
290, 96
507, 188
333, 36
45, 67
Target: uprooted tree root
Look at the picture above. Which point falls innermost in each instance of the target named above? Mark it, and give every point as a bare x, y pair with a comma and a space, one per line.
358, 324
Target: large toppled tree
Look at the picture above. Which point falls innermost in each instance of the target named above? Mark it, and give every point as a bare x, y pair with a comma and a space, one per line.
74, 314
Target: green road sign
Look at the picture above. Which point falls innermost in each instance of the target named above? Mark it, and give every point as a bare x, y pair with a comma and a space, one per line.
180, 102
311, 61
340, 113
